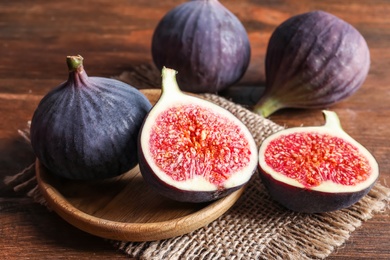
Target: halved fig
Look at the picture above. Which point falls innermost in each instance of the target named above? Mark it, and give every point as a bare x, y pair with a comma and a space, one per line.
193, 150
316, 169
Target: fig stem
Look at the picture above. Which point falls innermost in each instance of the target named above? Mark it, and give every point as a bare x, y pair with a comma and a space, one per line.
267, 107
331, 119
74, 62
169, 83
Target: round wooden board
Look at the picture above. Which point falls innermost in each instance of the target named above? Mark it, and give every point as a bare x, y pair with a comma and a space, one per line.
125, 208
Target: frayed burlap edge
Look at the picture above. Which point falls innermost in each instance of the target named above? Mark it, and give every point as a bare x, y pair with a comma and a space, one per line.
255, 227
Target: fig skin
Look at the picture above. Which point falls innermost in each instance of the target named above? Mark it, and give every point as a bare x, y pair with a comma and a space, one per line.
157, 178
309, 201
174, 193
313, 60
325, 197
205, 42
87, 127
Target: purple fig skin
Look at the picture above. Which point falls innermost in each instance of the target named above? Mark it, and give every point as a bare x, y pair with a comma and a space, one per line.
313, 60
87, 127
307, 200
174, 193
205, 43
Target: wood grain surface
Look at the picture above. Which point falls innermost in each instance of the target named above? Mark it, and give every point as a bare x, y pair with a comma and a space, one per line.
115, 36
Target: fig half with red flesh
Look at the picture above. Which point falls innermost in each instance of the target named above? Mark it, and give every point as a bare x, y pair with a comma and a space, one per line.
316, 169
193, 150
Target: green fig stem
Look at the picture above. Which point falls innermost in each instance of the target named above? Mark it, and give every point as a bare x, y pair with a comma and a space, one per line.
331, 120
169, 83
74, 62
268, 107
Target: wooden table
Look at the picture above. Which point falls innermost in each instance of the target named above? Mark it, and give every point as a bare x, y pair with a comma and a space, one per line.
115, 36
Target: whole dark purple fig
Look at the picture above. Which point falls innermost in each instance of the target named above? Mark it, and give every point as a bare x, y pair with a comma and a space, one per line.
87, 127
313, 60
205, 43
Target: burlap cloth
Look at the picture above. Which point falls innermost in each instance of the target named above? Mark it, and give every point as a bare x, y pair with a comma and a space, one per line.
255, 227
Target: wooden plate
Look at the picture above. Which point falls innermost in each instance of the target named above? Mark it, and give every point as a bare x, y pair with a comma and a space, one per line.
125, 208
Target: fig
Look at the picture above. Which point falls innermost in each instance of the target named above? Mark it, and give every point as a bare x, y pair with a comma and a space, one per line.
192, 150
316, 169
205, 42
313, 60
87, 127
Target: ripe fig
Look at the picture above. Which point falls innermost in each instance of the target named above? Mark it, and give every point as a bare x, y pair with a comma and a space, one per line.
193, 150
205, 42
316, 169
313, 60
87, 127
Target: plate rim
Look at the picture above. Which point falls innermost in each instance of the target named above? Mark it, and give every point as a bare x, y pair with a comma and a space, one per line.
130, 231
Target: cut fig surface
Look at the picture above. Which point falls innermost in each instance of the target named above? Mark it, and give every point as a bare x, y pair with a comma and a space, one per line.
193, 150
316, 169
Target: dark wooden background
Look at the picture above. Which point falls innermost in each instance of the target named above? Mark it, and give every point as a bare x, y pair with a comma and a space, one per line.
115, 36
